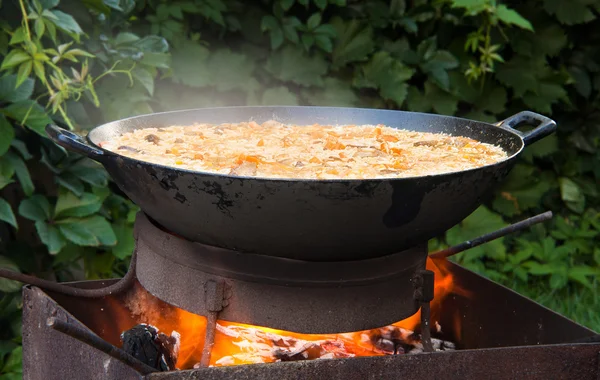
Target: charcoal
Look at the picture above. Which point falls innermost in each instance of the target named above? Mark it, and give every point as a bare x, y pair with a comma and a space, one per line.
307, 351
145, 343
399, 341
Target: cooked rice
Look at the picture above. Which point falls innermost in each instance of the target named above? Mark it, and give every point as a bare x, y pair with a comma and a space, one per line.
276, 150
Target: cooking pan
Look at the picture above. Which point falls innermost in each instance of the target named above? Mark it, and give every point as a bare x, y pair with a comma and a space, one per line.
307, 219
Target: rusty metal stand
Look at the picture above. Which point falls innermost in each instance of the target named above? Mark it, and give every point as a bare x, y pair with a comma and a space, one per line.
424, 285
215, 298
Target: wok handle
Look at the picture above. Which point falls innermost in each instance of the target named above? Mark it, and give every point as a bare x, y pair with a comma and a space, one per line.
545, 126
73, 142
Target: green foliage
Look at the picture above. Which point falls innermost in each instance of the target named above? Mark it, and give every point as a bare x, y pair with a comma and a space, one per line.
80, 64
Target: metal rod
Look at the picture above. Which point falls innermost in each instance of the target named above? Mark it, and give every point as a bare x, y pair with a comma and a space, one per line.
100, 344
209, 338
444, 253
425, 327
118, 287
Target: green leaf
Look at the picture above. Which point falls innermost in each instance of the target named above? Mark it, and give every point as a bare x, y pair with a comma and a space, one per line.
308, 41
125, 38
125, 241
510, 16
582, 275
89, 172
69, 205
558, 281
21, 171
9, 91
387, 74
14, 362
159, 60
321, 4
547, 40
493, 101
7, 171
324, 42
6, 213
18, 36
66, 22
279, 96
355, 42
24, 72
229, 70
571, 194
522, 190
441, 101
583, 82
36, 208
469, 4
70, 182
145, 79
14, 58
538, 269
517, 73
313, 21
30, 113
50, 236
91, 231
6, 285
49, 4
152, 44
543, 148
335, 92
189, 65
286, 4
21, 147
7, 134
293, 65
271, 24
569, 12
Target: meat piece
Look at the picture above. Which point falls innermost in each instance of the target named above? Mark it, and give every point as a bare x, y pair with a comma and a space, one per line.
125, 147
427, 143
152, 138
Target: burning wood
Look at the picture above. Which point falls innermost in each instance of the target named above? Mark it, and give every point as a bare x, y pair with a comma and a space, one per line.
261, 345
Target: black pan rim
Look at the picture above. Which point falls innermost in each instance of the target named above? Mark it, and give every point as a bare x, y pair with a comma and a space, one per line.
109, 153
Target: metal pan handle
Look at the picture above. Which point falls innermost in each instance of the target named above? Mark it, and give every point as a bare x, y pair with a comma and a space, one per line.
545, 126
73, 142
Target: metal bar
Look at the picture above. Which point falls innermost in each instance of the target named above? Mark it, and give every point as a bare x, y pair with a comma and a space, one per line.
118, 287
100, 344
425, 327
209, 338
445, 253
214, 293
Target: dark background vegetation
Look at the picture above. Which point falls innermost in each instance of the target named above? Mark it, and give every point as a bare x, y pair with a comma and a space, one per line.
82, 63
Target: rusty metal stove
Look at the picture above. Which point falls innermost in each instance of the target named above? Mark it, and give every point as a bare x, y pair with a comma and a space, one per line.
502, 334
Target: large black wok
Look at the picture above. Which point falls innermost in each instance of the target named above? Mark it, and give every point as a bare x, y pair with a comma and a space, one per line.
322, 220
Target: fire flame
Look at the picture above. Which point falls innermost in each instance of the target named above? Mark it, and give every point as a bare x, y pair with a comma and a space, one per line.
237, 343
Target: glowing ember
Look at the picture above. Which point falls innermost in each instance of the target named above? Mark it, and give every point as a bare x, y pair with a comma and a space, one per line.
237, 343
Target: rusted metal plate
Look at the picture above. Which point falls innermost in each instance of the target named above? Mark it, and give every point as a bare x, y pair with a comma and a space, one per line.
541, 362
51, 355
